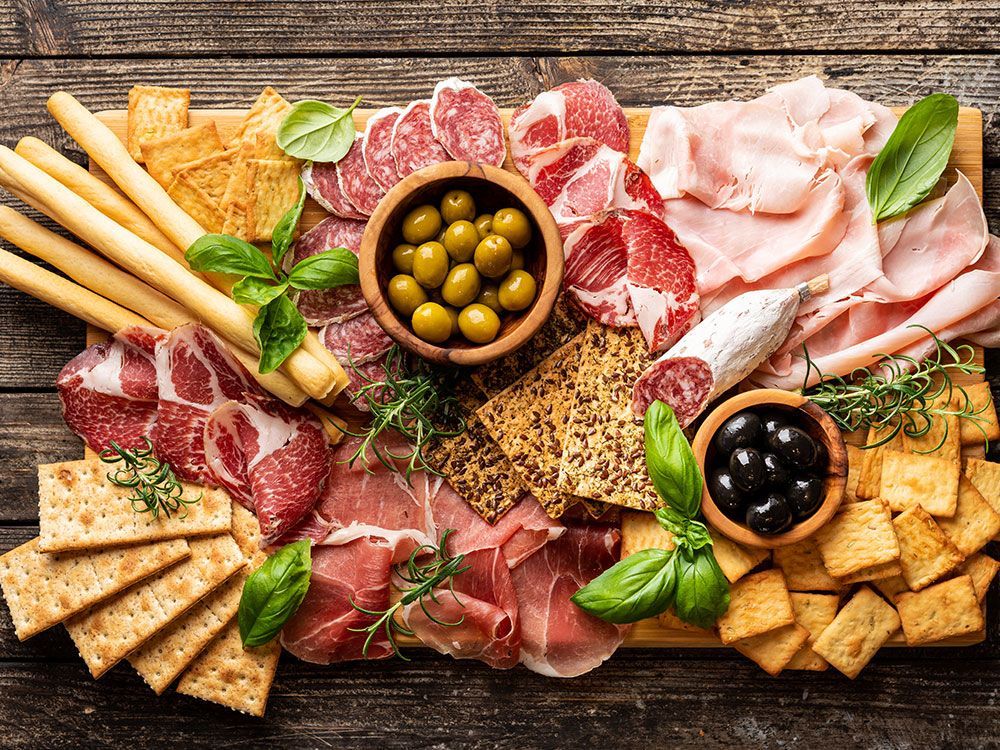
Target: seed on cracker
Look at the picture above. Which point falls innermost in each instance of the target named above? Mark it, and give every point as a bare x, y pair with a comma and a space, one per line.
985, 412
272, 190
758, 603
945, 609
925, 553
974, 522
803, 567
982, 569
859, 536
813, 612
858, 631
165, 156
910, 479
772, 651
154, 112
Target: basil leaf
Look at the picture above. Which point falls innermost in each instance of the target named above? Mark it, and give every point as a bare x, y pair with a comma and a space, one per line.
317, 131
696, 535
279, 329
702, 590
273, 593
284, 231
221, 253
672, 521
670, 461
640, 586
253, 291
325, 270
910, 164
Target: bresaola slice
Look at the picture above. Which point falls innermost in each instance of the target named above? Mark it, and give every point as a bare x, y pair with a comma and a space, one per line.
323, 186
377, 147
356, 183
467, 123
322, 306
413, 143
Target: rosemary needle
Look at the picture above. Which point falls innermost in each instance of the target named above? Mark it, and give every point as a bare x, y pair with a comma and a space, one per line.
153, 484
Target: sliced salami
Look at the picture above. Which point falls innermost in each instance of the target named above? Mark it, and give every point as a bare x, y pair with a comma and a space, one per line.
413, 143
467, 123
320, 307
358, 340
377, 147
685, 384
356, 184
323, 186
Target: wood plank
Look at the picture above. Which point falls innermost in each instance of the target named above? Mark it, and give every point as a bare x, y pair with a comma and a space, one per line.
283, 27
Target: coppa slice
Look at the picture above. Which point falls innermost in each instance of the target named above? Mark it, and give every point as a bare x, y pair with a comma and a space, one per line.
357, 185
341, 303
323, 186
467, 123
377, 147
413, 143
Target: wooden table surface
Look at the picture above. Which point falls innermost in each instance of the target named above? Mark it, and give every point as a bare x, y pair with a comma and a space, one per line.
389, 52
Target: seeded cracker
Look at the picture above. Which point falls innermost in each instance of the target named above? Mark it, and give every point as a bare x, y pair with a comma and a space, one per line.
758, 603
941, 611
603, 457
982, 569
813, 612
153, 112
803, 567
981, 398
912, 479
858, 631
858, 537
974, 522
165, 156
925, 553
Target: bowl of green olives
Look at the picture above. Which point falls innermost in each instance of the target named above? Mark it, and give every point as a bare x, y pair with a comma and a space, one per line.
775, 468
461, 263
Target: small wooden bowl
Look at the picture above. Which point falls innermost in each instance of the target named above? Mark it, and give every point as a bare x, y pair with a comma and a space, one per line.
816, 422
493, 189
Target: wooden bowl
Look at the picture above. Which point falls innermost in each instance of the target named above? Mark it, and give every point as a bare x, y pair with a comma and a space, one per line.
816, 422
492, 189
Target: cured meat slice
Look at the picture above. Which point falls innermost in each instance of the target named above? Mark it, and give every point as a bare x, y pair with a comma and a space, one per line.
322, 306
109, 391
377, 147
361, 375
321, 631
356, 184
467, 123
581, 108
358, 340
323, 186
413, 143
558, 639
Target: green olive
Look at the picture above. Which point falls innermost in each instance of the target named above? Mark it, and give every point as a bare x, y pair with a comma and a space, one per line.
430, 264
421, 224
493, 256
484, 225
489, 296
517, 291
457, 205
478, 323
453, 314
461, 285
441, 234
514, 225
431, 322
517, 261
460, 240
405, 294
402, 257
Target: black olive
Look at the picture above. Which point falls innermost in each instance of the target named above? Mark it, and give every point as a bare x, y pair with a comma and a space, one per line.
770, 421
804, 494
794, 446
747, 468
726, 494
822, 458
739, 431
769, 514
775, 472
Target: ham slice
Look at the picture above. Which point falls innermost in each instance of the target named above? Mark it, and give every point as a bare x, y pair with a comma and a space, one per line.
377, 147
322, 306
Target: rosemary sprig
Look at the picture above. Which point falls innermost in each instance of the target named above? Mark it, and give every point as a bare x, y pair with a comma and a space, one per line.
424, 577
153, 484
900, 393
416, 400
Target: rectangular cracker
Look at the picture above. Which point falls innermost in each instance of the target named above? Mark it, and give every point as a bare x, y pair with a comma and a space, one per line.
107, 633
197, 204
603, 456
910, 479
236, 222
165, 156
974, 522
212, 173
982, 569
870, 474
44, 589
985, 477
858, 537
813, 612
891, 587
772, 651
758, 603
803, 567
670, 621
79, 509
855, 459
941, 611
734, 559
873, 573
925, 553
982, 402
858, 631
265, 115
154, 112
272, 190
943, 438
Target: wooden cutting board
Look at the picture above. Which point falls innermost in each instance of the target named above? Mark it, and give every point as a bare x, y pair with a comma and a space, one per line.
967, 156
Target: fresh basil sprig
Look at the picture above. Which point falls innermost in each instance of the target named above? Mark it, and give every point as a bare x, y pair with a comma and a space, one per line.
335, 267
912, 160
283, 233
317, 131
273, 593
687, 577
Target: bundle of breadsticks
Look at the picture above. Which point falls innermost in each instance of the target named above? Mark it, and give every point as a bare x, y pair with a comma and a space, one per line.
142, 234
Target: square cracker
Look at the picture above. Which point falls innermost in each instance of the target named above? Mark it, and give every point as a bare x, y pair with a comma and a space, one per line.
236, 222
772, 651
941, 611
910, 479
153, 112
982, 569
758, 603
943, 438
265, 116
858, 631
669, 620
212, 173
855, 459
870, 473
197, 204
873, 573
603, 456
734, 559
803, 567
985, 477
858, 537
925, 553
45, 589
80, 509
974, 522
272, 190
891, 587
982, 402
107, 633
165, 156
813, 612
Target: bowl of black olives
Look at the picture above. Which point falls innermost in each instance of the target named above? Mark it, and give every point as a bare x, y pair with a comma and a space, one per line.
775, 468
461, 263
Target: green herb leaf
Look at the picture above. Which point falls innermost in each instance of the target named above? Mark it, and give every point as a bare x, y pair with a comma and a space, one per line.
279, 329
317, 131
702, 589
640, 586
673, 521
325, 270
273, 593
670, 461
910, 164
221, 253
696, 535
253, 291
284, 231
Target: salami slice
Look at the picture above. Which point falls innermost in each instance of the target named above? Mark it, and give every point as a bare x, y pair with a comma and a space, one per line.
377, 147
685, 384
358, 340
413, 143
467, 123
320, 307
323, 186
356, 184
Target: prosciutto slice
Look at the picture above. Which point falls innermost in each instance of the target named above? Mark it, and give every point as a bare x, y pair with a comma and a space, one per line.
323, 186
467, 123
320, 307
377, 147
